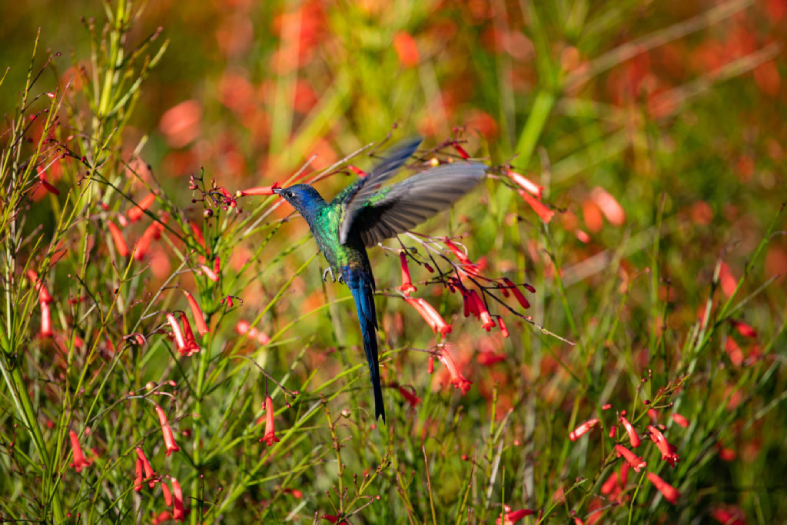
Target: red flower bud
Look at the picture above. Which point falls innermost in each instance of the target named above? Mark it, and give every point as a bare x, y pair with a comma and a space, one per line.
503, 327
46, 320
408, 396
583, 429
80, 461
459, 149
258, 191
526, 184
196, 311
680, 420
407, 285
356, 170
542, 211
635, 461
270, 431
430, 315
210, 274
670, 493
135, 213
517, 292
191, 347
117, 238
166, 430
633, 437
150, 474
178, 513
457, 379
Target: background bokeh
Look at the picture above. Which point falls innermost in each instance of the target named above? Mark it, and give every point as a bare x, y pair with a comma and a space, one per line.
657, 130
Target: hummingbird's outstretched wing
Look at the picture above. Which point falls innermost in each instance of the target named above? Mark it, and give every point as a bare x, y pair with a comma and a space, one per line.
399, 207
358, 194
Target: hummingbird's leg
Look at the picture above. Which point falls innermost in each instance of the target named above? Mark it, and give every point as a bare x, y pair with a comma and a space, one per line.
325, 275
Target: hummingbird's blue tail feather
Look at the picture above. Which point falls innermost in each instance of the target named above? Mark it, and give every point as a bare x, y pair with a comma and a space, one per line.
361, 284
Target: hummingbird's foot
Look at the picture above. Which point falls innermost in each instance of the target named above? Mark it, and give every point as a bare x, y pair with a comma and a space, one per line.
341, 278
325, 275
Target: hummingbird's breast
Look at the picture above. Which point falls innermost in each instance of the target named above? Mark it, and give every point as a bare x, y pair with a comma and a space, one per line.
326, 233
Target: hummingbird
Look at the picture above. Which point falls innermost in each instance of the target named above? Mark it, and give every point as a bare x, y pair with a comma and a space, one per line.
364, 213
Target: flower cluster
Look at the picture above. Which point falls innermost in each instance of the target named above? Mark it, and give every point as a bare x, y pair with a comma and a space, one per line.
616, 483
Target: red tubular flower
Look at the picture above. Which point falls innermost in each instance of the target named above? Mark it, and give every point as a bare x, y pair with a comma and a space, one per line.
197, 231
210, 274
46, 320
669, 492
624, 474
583, 429
166, 430
526, 184
430, 315
483, 313
180, 340
459, 149
80, 461
610, 485
734, 352
196, 312
407, 285
667, 450
138, 476
510, 517
45, 181
517, 292
430, 365
609, 206
680, 420
150, 474
192, 347
408, 396
162, 517
43, 293
542, 211
503, 327
141, 249
744, 329
270, 431
489, 358
242, 328
178, 514
167, 495
259, 190
633, 437
135, 213
358, 171
297, 494
117, 238
468, 303
461, 255
457, 379
635, 461
612, 432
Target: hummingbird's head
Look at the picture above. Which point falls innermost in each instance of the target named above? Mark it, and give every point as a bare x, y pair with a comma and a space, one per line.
303, 198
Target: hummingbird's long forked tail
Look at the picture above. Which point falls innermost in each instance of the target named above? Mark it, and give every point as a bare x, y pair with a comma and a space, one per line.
361, 284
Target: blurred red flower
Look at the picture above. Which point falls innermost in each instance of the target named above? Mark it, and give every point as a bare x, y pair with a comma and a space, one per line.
181, 124
406, 49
